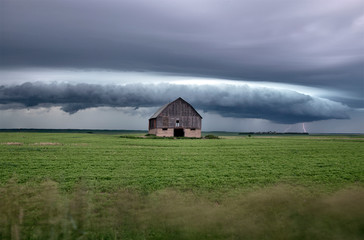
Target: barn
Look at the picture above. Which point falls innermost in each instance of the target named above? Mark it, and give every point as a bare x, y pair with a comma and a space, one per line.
176, 119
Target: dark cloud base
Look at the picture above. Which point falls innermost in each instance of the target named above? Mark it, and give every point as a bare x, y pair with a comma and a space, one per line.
238, 101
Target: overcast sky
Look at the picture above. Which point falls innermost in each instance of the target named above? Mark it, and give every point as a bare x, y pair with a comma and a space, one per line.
258, 65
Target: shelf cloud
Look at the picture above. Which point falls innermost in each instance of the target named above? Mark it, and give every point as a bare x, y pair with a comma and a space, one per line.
312, 42
84, 45
238, 101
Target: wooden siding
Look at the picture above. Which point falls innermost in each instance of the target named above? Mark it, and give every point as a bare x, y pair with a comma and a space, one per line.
176, 118
180, 111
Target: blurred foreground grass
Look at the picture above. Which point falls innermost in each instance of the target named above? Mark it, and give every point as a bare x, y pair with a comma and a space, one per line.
278, 212
94, 186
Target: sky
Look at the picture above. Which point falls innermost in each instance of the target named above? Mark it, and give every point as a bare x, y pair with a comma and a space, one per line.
245, 65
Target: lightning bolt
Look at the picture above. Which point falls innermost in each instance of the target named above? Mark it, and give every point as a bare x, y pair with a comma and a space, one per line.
303, 127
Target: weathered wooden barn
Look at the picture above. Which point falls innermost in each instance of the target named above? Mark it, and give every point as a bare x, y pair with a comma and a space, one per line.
178, 119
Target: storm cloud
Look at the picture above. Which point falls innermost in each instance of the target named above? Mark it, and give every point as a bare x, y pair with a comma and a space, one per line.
239, 101
122, 55
313, 42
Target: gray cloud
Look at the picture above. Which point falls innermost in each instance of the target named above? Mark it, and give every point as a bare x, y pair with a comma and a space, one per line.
238, 101
313, 42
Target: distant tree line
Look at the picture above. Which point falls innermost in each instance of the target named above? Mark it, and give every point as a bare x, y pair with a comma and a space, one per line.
273, 133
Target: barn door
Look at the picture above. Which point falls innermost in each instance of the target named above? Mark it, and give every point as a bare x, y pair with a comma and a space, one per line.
179, 132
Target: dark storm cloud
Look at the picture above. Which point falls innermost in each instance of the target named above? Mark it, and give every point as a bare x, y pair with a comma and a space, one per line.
239, 101
313, 42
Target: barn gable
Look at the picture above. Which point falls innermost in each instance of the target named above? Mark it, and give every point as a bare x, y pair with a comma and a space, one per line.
177, 118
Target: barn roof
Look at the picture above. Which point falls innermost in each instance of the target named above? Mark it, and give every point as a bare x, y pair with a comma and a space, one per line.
160, 110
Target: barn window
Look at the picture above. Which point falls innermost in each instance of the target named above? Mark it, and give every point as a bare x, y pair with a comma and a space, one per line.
193, 129
177, 123
164, 129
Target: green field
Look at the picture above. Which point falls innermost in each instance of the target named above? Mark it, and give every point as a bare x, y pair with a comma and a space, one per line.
105, 186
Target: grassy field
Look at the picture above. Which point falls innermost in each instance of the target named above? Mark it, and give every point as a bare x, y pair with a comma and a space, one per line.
105, 186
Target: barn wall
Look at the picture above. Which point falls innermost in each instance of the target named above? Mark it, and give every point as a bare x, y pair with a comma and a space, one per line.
185, 122
170, 132
193, 133
153, 131
165, 133
166, 118
181, 111
162, 133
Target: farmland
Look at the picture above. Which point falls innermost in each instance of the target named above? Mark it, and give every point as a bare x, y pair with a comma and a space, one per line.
92, 186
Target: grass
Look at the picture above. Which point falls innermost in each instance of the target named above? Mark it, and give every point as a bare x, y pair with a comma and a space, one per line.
95, 186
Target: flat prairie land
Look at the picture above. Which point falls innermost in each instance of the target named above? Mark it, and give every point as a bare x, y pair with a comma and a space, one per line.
105, 186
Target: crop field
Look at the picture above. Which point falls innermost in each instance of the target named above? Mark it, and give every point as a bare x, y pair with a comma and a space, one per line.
112, 186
